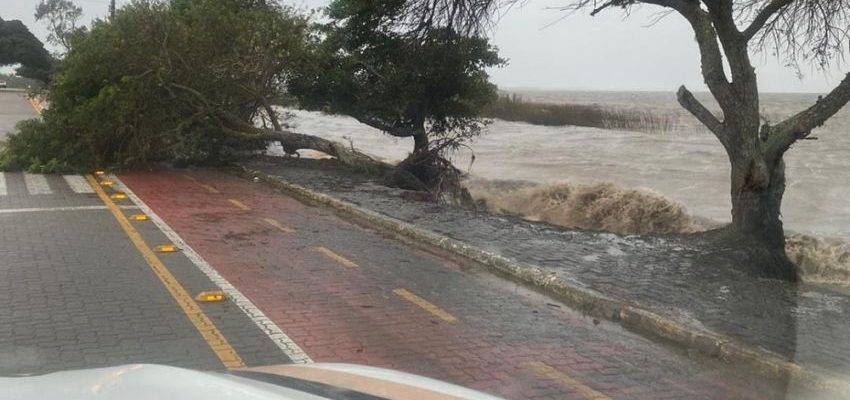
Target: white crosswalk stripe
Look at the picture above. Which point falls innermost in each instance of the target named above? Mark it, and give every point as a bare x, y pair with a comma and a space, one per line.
78, 184
37, 184
3, 190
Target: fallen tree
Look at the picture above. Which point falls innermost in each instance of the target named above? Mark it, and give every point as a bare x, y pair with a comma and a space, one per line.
181, 82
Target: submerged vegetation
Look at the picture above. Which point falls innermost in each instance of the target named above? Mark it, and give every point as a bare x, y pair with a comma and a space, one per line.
512, 107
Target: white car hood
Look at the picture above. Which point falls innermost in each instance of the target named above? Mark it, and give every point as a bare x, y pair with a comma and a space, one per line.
148, 381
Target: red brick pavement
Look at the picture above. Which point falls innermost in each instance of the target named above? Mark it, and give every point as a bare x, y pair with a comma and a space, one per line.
341, 314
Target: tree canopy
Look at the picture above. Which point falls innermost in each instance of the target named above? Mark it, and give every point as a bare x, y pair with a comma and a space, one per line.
796, 30
178, 81
431, 87
19, 46
186, 81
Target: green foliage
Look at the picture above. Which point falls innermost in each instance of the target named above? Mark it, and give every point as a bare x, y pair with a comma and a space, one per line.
406, 86
38, 148
164, 81
19, 46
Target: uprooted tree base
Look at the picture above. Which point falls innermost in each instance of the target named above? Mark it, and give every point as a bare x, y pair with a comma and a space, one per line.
423, 171
427, 170
751, 254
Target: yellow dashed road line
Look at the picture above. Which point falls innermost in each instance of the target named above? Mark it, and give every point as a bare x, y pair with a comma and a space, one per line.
278, 225
239, 204
217, 342
425, 305
336, 257
565, 380
36, 105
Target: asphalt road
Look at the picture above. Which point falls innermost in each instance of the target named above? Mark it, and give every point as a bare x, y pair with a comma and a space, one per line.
81, 287
13, 108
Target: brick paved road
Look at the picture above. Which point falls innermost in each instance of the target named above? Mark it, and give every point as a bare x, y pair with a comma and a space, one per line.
680, 278
347, 294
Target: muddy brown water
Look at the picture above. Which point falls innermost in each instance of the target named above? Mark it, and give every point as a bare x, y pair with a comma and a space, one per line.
684, 165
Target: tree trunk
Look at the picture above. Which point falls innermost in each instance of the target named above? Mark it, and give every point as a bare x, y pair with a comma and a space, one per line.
272, 115
292, 142
757, 190
420, 141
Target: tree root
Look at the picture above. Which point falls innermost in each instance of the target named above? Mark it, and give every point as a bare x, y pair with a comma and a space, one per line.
752, 255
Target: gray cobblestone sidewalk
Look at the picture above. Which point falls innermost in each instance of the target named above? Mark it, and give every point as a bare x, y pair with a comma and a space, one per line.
679, 278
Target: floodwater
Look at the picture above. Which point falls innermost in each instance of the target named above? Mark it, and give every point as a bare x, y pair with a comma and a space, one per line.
685, 164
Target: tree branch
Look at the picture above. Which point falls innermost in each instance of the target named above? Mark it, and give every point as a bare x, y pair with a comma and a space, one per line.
392, 130
607, 4
763, 16
797, 127
271, 113
674, 4
690, 103
711, 58
293, 142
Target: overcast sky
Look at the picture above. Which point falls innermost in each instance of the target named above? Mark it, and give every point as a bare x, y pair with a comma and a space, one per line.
550, 50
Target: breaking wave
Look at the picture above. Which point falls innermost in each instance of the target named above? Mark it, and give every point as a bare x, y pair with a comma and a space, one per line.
820, 260
610, 208
601, 207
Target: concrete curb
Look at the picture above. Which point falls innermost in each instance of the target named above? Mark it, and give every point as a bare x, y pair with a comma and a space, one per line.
588, 301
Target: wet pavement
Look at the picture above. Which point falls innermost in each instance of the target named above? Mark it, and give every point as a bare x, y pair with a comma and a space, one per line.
75, 291
682, 279
79, 289
344, 293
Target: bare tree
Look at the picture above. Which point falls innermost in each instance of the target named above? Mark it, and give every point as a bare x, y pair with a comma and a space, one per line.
61, 17
726, 32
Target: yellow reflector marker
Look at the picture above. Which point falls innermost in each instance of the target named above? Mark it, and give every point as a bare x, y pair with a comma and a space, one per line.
99, 173
210, 333
139, 217
118, 196
106, 182
210, 297
168, 248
